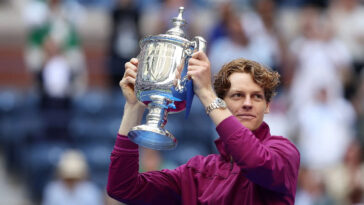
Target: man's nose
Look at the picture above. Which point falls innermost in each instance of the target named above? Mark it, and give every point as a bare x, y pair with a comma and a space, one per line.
247, 104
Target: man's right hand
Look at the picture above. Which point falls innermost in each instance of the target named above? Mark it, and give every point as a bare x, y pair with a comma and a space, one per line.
128, 82
134, 109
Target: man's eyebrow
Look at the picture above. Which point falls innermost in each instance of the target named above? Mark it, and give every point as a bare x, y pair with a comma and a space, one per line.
243, 91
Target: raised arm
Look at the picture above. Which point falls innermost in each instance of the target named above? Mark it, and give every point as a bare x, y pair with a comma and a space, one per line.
125, 183
200, 72
133, 109
271, 162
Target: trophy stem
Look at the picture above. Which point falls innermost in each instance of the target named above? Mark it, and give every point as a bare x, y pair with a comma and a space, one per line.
153, 135
157, 116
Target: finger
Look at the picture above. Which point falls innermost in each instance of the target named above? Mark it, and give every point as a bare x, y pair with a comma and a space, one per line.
130, 66
179, 68
178, 72
134, 61
193, 61
131, 73
130, 80
191, 74
177, 75
195, 68
127, 81
200, 55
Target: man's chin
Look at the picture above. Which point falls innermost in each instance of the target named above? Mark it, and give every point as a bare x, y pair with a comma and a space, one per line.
246, 124
249, 124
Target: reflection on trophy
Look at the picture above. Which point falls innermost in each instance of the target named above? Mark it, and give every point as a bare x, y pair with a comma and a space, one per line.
156, 85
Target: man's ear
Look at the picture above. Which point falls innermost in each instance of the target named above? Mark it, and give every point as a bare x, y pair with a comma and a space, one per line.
267, 109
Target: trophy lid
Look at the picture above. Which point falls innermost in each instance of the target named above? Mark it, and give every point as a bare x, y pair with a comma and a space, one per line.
178, 23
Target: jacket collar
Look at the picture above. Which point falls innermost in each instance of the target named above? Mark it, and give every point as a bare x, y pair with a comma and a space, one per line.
261, 133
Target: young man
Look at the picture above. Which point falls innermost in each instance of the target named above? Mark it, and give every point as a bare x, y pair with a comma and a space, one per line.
252, 168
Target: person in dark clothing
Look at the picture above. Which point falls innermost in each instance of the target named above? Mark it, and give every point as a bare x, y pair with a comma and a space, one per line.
124, 38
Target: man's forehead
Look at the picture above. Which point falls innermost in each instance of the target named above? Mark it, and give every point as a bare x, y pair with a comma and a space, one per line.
241, 88
240, 81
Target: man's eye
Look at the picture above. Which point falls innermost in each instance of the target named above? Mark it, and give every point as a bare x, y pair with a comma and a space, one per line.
258, 96
236, 95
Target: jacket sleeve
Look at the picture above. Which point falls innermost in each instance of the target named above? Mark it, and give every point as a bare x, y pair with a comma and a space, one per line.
127, 185
272, 163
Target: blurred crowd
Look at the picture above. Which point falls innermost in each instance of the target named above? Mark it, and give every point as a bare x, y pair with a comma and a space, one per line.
57, 135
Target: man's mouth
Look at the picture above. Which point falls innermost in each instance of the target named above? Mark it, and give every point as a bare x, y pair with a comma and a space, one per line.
246, 116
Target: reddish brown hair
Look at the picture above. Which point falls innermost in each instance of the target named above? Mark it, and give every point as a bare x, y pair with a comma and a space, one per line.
263, 76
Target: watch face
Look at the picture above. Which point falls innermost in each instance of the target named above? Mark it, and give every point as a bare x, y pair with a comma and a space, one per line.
218, 103
221, 103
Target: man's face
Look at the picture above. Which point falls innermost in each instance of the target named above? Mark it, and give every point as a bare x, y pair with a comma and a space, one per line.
246, 100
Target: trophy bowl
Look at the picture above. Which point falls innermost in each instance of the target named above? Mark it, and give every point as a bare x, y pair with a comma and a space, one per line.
157, 85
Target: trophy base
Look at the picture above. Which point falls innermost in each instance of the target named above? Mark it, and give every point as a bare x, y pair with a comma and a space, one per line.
152, 137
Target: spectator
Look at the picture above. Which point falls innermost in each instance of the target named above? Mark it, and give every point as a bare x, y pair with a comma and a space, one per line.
324, 129
347, 17
125, 35
347, 20
151, 160
56, 77
246, 36
235, 44
312, 190
317, 53
261, 27
58, 20
345, 182
72, 186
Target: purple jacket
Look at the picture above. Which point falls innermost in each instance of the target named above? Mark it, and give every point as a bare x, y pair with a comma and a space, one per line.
252, 168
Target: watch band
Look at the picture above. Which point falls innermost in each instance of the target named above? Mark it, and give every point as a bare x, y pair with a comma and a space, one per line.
218, 103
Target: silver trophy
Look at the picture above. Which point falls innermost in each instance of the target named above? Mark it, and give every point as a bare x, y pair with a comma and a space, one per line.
157, 84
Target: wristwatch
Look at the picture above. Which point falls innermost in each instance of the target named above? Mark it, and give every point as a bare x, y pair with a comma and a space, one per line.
218, 103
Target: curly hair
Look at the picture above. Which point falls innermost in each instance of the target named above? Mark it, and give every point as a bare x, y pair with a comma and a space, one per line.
263, 76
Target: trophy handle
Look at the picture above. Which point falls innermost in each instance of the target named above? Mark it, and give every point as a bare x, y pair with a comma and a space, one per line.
198, 44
